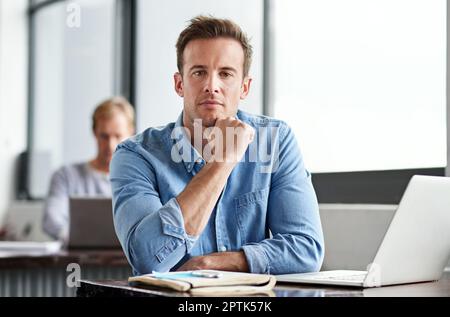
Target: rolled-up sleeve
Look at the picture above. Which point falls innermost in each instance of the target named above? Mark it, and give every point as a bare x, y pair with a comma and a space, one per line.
293, 218
152, 234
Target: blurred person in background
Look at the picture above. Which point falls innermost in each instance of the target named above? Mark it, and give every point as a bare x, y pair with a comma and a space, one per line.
113, 121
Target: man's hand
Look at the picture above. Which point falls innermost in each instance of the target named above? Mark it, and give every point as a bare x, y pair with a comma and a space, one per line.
228, 140
225, 261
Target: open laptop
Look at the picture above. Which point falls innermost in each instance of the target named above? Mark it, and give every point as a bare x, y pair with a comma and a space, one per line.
415, 248
91, 224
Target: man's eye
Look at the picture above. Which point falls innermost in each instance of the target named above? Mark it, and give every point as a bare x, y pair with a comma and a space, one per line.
199, 73
225, 74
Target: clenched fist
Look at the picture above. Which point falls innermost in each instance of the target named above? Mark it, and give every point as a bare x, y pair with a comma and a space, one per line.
228, 140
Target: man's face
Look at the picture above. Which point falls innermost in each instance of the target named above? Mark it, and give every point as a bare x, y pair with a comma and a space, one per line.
109, 133
212, 83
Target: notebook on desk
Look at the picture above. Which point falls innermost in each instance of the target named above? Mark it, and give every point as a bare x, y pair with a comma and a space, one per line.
210, 282
415, 248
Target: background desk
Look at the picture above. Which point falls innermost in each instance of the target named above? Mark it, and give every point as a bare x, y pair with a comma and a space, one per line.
121, 288
45, 275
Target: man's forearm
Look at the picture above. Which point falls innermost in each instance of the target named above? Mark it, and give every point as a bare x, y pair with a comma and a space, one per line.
198, 199
228, 261
224, 261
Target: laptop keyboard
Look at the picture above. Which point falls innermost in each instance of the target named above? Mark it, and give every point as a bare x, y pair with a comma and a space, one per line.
350, 277
341, 277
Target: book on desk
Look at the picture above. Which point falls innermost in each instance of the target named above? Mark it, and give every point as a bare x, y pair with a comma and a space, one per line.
209, 282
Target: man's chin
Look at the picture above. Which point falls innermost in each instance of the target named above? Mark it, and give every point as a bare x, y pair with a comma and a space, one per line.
208, 123
208, 120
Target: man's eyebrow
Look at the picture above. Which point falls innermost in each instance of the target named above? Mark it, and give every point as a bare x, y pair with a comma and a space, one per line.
197, 67
226, 68
229, 68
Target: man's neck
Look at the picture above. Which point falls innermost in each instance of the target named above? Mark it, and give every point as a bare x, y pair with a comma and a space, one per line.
195, 135
99, 165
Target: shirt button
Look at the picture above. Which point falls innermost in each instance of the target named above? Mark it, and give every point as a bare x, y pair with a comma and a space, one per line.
223, 248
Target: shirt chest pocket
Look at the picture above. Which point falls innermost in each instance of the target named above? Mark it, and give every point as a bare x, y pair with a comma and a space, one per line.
251, 211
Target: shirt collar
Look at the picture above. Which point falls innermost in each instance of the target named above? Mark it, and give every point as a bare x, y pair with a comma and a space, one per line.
189, 155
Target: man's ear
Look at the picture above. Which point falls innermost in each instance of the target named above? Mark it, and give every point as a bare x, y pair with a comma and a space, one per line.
245, 88
178, 79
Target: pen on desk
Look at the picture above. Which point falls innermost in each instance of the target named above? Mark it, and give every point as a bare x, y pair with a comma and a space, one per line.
206, 274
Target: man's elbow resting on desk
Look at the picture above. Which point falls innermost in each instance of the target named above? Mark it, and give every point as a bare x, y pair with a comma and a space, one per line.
169, 257
143, 262
285, 254
310, 263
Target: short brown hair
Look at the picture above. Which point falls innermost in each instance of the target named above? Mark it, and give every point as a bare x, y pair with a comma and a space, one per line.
208, 27
108, 108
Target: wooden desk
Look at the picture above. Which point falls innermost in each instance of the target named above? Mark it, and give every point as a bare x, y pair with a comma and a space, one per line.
45, 275
122, 289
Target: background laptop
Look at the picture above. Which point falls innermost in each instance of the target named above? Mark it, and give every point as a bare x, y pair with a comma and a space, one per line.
415, 248
91, 224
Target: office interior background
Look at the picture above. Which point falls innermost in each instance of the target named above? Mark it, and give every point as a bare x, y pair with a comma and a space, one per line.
362, 83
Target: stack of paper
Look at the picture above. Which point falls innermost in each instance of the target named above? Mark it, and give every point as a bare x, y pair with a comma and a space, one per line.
11, 248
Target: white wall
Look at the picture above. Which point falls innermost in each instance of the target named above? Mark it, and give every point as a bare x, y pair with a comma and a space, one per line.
13, 93
159, 24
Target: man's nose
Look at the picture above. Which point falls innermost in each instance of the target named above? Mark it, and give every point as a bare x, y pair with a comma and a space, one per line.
212, 85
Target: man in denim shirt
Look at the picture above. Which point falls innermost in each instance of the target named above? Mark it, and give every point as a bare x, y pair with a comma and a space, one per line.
219, 188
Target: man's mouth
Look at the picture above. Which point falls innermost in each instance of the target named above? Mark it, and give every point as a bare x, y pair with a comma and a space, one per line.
211, 104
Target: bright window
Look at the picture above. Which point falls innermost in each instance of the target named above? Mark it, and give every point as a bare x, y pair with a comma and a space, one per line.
362, 82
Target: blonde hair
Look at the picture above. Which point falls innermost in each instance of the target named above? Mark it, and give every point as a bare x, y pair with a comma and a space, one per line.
108, 108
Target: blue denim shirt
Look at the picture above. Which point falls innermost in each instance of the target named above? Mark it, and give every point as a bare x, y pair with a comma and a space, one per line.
268, 207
